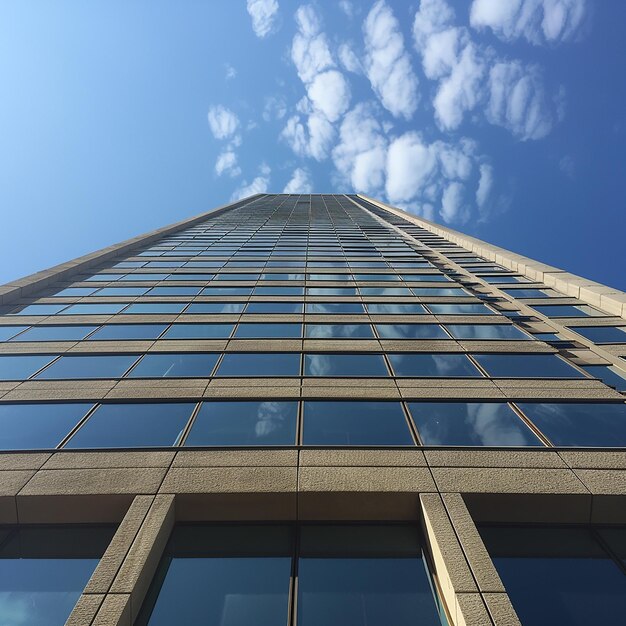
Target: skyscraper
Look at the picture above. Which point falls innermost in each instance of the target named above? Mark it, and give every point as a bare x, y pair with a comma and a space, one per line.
311, 410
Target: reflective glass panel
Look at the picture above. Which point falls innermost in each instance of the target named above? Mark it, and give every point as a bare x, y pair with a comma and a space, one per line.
335, 308
268, 331
355, 424
274, 307
55, 333
411, 331
259, 364
602, 334
172, 365
6, 332
120, 332
470, 424
73, 291
135, 425
37, 426
20, 367
278, 291
567, 310
165, 308
527, 366
427, 365
88, 366
579, 423
339, 331
199, 331
345, 365
39, 309
121, 292
609, 375
383, 308
460, 309
215, 308
174, 291
486, 331
244, 424
94, 309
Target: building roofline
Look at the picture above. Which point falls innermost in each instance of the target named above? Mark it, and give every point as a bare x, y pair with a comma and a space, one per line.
21, 287
609, 299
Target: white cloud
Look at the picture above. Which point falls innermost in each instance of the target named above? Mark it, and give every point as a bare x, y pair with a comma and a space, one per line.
231, 72
264, 14
347, 7
275, 108
452, 204
538, 21
260, 184
329, 93
223, 122
310, 51
313, 137
485, 184
518, 100
387, 63
349, 59
300, 182
227, 164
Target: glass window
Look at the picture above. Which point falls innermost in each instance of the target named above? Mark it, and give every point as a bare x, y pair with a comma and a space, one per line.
22, 366
135, 425
199, 331
104, 278
285, 277
526, 366
505, 279
6, 332
244, 424
386, 291
567, 310
609, 375
411, 331
235, 276
486, 331
387, 308
215, 308
171, 365
156, 308
222, 575
425, 278
121, 292
120, 332
259, 364
94, 309
38, 426
470, 424
602, 334
274, 307
363, 576
333, 277
460, 309
331, 291
335, 308
43, 570
339, 331
428, 365
355, 424
227, 291
73, 291
146, 277
174, 291
363, 365
279, 291
439, 291
579, 423
268, 331
376, 277
190, 277
557, 575
39, 309
533, 293
89, 366
55, 333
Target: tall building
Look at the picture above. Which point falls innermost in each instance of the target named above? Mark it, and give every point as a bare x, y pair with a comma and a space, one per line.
313, 410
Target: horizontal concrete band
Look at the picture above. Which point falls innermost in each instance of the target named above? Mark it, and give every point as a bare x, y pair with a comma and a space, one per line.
611, 300
10, 292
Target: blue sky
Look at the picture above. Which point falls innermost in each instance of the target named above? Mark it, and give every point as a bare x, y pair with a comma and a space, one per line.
485, 115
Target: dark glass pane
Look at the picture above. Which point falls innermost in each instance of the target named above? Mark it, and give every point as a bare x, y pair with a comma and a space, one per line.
339, 308
602, 334
470, 424
279, 291
199, 331
345, 365
73, 291
156, 308
382, 308
274, 307
44, 570
339, 331
363, 576
121, 292
567, 310
120, 332
33, 426
190, 277
486, 331
260, 364
244, 424
532, 293
55, 333
172, 365
427, 365
93, 309
557, 576
174, 291
132, 425
579, 423
227, 291
608, 375
411, 331
460, 309
216, 307
385, 291
268, 331
39, 309
146, 277
100, 366
6, 332
20, 367
222, 576
527, 366
355, 424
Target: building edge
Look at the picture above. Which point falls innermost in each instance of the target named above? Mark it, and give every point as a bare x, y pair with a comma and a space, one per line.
609, 299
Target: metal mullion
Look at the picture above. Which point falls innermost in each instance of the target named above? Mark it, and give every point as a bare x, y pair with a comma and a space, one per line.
81, 421
533, 427
190, 422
